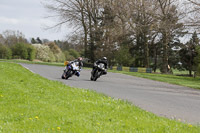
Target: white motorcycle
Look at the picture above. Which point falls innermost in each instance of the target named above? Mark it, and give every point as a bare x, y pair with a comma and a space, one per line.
70, 69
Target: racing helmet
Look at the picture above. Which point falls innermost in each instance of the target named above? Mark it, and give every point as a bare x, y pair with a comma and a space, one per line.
80, 58
104, 58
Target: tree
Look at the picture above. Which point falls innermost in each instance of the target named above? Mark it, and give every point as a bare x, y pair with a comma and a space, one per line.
11, 38
74, 53
123, 56
168, 26
193, 11
38, 40
73, 13
188, 53
33, 41
197, 60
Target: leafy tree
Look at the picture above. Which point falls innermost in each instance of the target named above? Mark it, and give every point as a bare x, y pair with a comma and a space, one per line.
5, 52
188, 53
68, 56
73, 53
123, 56
33, 41
38, 40
197, 60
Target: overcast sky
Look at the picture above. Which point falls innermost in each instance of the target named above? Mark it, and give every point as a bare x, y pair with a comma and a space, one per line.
28, 17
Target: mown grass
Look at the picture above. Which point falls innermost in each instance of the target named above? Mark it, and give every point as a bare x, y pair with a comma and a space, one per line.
30, 103
172, 79
33, 62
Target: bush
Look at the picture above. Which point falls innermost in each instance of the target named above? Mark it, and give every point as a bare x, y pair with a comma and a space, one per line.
5, 52
31, 52
44, 53
58, 54
73, 53
68, 56
23, 51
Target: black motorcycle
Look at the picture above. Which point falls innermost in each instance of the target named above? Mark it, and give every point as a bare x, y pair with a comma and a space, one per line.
97, 71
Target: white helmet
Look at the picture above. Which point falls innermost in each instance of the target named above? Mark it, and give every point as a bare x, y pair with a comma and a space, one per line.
104, 58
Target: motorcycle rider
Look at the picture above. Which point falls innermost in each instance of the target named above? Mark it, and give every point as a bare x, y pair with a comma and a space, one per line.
79, 63
102, 60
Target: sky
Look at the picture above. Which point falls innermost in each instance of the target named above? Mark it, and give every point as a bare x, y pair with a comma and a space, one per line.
28, 17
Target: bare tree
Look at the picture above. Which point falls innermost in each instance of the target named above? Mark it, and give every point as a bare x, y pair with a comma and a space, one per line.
10, 37
168, 26
70, 12
193, 14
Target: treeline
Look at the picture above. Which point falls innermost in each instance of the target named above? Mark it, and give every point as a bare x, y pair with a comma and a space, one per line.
14, 45
140, 33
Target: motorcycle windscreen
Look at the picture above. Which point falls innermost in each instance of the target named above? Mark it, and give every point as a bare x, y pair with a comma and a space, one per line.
102, 66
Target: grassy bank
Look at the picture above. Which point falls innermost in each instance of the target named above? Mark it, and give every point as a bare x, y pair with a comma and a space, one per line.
30, 103
33, 62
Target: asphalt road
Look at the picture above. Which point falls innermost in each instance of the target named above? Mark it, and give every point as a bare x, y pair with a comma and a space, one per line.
162, 99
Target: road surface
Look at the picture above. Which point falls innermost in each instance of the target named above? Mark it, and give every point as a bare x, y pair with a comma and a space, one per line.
162, 99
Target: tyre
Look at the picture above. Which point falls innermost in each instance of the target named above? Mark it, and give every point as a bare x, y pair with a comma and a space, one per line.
91, 78
68, 74
63, 75
95, 76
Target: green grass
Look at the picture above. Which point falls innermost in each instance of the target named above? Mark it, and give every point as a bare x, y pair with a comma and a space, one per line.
172, 79
30, 103
33, 62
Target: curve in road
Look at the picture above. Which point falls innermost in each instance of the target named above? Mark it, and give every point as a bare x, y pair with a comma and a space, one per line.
162, 99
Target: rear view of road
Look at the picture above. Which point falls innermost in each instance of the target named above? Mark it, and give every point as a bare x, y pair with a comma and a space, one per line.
162, 99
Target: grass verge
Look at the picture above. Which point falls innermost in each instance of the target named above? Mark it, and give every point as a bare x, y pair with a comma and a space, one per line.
30, 103
172, 79
33, 62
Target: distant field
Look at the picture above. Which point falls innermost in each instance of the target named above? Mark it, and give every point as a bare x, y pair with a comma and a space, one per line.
30, 103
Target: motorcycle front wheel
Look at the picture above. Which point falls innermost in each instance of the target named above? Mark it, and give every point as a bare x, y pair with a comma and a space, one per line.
68, 74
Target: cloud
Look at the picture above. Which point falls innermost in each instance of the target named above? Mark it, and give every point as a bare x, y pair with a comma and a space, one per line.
6, 20
27, 16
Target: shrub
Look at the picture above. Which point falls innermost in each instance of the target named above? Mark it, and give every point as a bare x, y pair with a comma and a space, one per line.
5, 52
58, 54
74, 53
23, 51
31, 52
44, 53
68, 56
